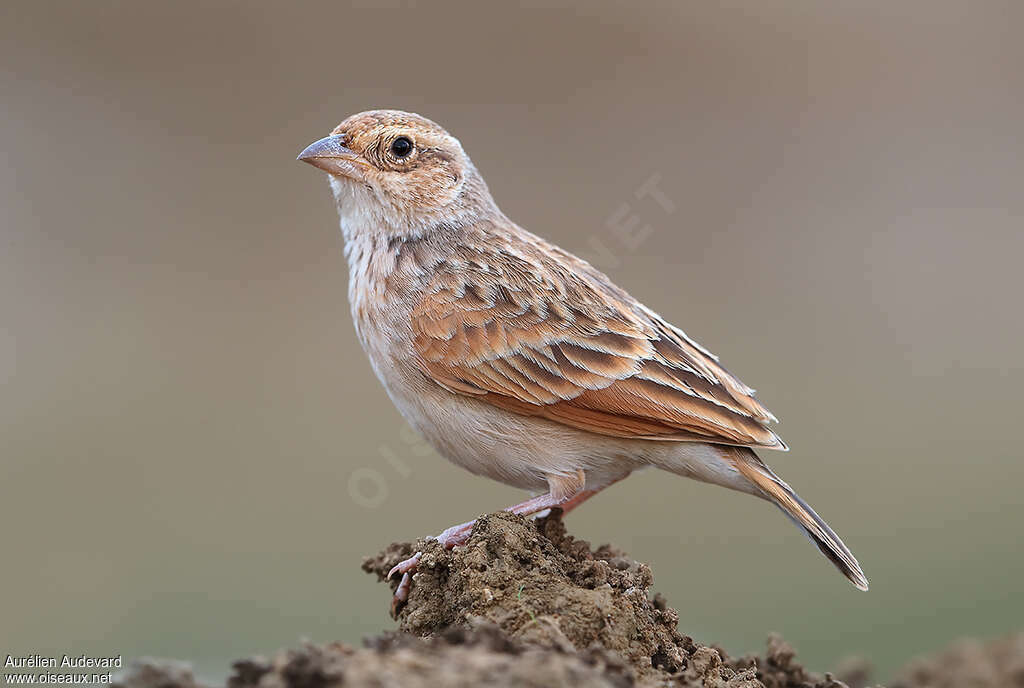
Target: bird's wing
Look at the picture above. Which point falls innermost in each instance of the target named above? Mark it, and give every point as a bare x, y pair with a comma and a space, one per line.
533, 329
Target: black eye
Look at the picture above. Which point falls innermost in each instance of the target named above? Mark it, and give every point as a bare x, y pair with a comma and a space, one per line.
401, 147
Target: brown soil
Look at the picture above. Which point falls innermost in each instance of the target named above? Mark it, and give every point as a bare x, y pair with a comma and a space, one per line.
525, 604
572, 609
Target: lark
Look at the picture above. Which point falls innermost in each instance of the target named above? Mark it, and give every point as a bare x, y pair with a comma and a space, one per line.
517, 360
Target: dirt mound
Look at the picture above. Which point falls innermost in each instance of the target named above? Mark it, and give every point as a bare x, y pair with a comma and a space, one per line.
550, 592
525, 604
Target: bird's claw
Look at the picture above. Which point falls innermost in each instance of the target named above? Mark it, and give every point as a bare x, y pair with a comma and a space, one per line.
401, 594
405, 566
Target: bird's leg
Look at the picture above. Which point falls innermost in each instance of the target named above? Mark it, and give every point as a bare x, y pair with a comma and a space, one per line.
571, 503
458, 535
565, 491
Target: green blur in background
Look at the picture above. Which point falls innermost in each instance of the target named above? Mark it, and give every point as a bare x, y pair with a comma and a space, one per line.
194, 453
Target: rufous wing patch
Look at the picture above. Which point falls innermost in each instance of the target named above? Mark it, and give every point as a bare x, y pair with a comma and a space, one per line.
534, 330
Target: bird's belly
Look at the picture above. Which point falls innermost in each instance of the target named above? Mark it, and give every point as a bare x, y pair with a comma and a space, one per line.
475, 438
509, 448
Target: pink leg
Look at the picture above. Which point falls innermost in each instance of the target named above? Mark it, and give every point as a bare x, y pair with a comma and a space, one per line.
582, 496
574, 502
458, 535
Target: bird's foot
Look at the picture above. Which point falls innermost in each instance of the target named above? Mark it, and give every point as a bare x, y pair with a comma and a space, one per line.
405, 567
452, 537
459, 535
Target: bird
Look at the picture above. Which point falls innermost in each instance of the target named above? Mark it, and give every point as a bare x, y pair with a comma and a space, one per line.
517, 360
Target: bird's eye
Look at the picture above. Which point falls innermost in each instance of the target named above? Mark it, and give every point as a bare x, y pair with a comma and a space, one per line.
401, 147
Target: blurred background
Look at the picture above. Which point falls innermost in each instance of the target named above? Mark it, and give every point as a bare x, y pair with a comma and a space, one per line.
196, 454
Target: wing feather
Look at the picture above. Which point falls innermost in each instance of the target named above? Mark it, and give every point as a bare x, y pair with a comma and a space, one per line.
532, 329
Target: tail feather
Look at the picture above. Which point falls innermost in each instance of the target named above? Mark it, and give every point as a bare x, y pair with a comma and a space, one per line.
798, 511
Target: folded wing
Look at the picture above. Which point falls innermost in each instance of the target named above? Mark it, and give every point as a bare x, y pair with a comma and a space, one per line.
533, 329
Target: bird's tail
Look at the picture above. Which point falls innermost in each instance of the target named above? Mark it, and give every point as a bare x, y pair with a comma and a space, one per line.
798, 511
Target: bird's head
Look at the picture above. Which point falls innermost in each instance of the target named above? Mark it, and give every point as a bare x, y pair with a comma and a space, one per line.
398, 170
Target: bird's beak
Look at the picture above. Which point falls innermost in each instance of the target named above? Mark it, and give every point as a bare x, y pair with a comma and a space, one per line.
331, 156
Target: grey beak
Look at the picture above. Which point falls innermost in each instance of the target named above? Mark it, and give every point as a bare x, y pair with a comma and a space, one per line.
331, 156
